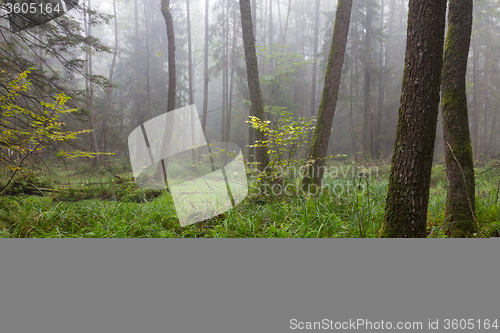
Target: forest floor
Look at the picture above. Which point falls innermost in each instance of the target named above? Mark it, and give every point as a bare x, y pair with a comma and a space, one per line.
104, 202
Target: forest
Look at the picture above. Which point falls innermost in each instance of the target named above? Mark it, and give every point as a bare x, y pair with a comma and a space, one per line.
250, 119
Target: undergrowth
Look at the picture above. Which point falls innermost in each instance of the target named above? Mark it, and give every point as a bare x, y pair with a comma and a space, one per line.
109, 205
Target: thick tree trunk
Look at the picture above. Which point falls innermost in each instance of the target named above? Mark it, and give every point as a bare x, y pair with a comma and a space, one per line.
321, 135
253, 76
409, 182
460, 196
254, 17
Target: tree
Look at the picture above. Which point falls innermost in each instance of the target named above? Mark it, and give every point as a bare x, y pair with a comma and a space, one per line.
460, 197
381, 91
253, 76
24, 132
368, 121
205, 72
104, 136
172, 79
90, 96
165, 10
321, 135
409, 182
315, 63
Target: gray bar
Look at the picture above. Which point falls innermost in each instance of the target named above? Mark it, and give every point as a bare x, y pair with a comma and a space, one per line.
242, 285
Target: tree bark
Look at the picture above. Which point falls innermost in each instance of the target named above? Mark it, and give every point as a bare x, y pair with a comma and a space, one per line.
165, 10
231, 77
148, 86
315, 55
91, 90
286, 21
137, 96
321, 135
172, 78
104, 136
205, 72
460, 196
409, 182
367, 117
381, 91
190, 56
191, 78
253, 76
475, 95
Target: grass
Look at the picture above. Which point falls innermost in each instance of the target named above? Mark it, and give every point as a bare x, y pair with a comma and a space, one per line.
104, 206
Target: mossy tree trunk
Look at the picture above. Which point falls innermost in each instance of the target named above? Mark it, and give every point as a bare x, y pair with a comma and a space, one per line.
253, 76
321, 135
409, 182
460, 201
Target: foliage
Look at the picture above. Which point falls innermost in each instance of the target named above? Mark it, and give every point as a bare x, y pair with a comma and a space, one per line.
283, 139
355, 211
25, 132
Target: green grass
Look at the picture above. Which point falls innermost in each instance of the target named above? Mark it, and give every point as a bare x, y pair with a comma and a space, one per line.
103, 206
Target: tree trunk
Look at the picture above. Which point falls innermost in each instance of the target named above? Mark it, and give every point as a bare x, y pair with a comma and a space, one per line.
104, 136
205, 72
231, 77
315, 63
367, 117
460, 196
271, 35
321, 135
191, 78
279, 20
475, 95
409, 182
137, 98
165, 10
190, 56
286, 21
253, 76
148, 90
91, 91
254, 17
352, 107
381, 85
